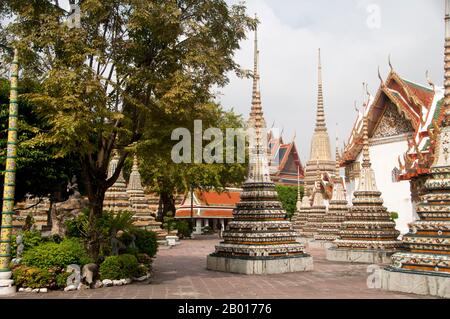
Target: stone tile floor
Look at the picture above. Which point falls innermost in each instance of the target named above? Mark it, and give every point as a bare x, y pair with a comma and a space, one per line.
180, 273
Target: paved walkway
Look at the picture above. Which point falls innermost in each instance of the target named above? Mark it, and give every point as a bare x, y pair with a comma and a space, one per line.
181, 272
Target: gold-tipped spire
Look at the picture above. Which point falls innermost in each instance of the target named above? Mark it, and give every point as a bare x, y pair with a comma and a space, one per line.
338, 166
256, 115
446, 103
320, 117
366, 156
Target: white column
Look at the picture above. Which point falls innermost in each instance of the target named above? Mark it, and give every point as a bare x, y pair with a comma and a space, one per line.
198, 226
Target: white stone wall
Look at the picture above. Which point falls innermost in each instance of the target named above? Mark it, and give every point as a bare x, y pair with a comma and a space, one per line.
396, 196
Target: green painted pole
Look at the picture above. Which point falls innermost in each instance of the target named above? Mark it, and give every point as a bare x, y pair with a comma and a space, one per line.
6, 283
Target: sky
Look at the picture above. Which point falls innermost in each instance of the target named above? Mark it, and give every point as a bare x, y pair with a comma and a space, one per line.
355, 36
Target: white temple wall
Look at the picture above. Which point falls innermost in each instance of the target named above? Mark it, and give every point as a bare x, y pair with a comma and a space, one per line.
396, 195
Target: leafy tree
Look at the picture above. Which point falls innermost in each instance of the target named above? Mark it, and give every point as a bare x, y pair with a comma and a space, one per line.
38, 172
132, 67
167, 177
288, 198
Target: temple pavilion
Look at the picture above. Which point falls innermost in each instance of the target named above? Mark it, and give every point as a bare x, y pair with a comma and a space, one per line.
209, 208
425, 267
398, 114
259, 239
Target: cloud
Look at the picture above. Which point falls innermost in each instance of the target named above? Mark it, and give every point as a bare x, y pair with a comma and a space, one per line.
290, 33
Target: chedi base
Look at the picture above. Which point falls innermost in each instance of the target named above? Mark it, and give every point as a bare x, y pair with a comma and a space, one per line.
359, 256
414, 282
260, 266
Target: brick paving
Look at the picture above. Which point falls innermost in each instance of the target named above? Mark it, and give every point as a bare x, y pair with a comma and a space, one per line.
180, 273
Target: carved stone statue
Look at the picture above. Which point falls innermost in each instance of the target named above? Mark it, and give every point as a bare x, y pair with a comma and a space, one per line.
20, 246
116, 244
72, 188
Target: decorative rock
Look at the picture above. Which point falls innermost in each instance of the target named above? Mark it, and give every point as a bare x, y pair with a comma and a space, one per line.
70, 288
117, 282
171, 240
123, 281
82, 287
21, 289
43, 290
98, 284
89, 273
35, 290
107, 282
141, 278
28, 289
128, 281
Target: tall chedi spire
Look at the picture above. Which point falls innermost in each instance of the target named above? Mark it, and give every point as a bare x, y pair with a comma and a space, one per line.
320, 152
116, 197
338, 208
259, 239
140, 204
425, 267
368, 235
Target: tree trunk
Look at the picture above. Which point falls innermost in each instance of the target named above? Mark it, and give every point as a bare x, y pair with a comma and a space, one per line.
96, 188
168, 203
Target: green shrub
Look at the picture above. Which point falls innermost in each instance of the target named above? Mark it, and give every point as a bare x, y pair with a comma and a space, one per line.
111, 268
146, 241
77, 227
184, 230
132, 251
31, 238
46, 255
119, 267
33, 277
394, 215
129, 265
61, 279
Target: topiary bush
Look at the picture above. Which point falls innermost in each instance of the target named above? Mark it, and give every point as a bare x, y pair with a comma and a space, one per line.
119, 267
47, 255
129, 265
146, 241
111, 268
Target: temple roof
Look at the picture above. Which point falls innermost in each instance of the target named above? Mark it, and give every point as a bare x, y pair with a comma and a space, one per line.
210, 204
413, 101
284, 160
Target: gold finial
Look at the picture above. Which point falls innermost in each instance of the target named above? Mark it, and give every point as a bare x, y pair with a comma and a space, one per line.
379, 76
390, 63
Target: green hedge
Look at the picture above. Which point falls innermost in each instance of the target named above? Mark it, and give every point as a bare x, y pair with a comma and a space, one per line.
35, 277
119, 267
50, 254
